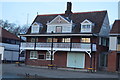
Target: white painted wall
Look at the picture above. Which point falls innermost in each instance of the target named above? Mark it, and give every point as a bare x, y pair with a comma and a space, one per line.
10, 46
1, 52
10, 54
66, 28
113, 43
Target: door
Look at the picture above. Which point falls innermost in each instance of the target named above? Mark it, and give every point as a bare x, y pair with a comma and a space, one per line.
119, 62
75, 60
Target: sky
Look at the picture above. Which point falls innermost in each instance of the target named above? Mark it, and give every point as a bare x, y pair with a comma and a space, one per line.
21, 12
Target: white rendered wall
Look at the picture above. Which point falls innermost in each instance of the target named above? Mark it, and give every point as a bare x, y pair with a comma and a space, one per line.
113, 43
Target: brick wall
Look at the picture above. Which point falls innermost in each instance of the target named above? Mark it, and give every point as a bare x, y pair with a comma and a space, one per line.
112, 61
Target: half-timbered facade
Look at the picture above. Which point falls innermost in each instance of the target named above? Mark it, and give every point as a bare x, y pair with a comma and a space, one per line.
74, 40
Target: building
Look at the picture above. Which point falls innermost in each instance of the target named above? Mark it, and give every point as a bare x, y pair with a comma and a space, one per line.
9, 45
114, 48
74, 40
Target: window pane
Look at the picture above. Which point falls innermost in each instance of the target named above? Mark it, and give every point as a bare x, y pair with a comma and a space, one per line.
41, 56
58, 29
85, 40
50, 39
33, 54
65, 39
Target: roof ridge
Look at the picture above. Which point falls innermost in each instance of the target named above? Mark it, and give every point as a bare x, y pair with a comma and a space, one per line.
72, 13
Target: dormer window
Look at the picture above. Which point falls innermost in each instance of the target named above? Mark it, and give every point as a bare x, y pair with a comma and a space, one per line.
86, 26
36, 27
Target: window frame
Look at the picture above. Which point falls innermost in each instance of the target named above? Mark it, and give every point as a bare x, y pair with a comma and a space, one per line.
41, 54
64, 40
34, 55
49, 56
85, 40
57, 31
54, 40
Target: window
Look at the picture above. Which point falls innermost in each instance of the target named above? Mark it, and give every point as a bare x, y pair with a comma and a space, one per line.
50, 39
48, 56
85, 28
33, 39
65, 39
58, 29
103, 41
41, 56
103, 59
118, 40
86, 40
35, 28
33, 54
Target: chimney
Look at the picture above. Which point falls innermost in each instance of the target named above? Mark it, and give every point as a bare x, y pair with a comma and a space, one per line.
69, 7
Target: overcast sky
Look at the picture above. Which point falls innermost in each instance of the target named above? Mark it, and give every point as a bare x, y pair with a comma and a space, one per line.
16, 12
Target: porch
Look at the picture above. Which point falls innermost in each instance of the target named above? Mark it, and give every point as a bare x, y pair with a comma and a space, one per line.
58, 46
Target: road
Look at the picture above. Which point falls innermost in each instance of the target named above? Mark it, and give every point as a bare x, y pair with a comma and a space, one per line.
12, 69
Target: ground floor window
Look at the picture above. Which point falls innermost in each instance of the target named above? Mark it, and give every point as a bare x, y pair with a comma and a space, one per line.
103, 59
41, 56
48, 56
33, 55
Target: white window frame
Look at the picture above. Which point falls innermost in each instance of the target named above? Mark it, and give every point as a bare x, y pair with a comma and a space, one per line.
35, 54
48, 54
84, 24
35, 28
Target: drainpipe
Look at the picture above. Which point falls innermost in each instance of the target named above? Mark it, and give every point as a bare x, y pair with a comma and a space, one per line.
52, 49
91, 52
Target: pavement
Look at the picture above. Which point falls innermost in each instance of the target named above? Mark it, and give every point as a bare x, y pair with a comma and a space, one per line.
44, 72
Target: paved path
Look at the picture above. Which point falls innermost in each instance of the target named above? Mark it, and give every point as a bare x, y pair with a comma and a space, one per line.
48, 73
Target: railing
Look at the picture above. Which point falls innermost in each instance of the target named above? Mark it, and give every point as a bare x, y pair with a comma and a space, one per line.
58, 46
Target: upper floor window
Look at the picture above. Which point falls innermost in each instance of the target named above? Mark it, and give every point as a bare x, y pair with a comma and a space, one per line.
33, 39
65, 39
86, 26
58, 29
103, 41
36, 27
50, 39
85, 40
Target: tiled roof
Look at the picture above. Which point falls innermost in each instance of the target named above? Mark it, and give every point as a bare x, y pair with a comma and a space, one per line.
116, 27
97, 17
7, 34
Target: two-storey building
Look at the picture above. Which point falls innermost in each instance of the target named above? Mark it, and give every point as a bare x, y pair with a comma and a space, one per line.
74, 40
114, 48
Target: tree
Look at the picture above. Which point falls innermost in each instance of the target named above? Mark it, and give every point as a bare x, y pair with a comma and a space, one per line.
14, 28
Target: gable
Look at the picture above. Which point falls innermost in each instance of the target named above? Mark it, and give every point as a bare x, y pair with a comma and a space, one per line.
86, 22
59, 20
